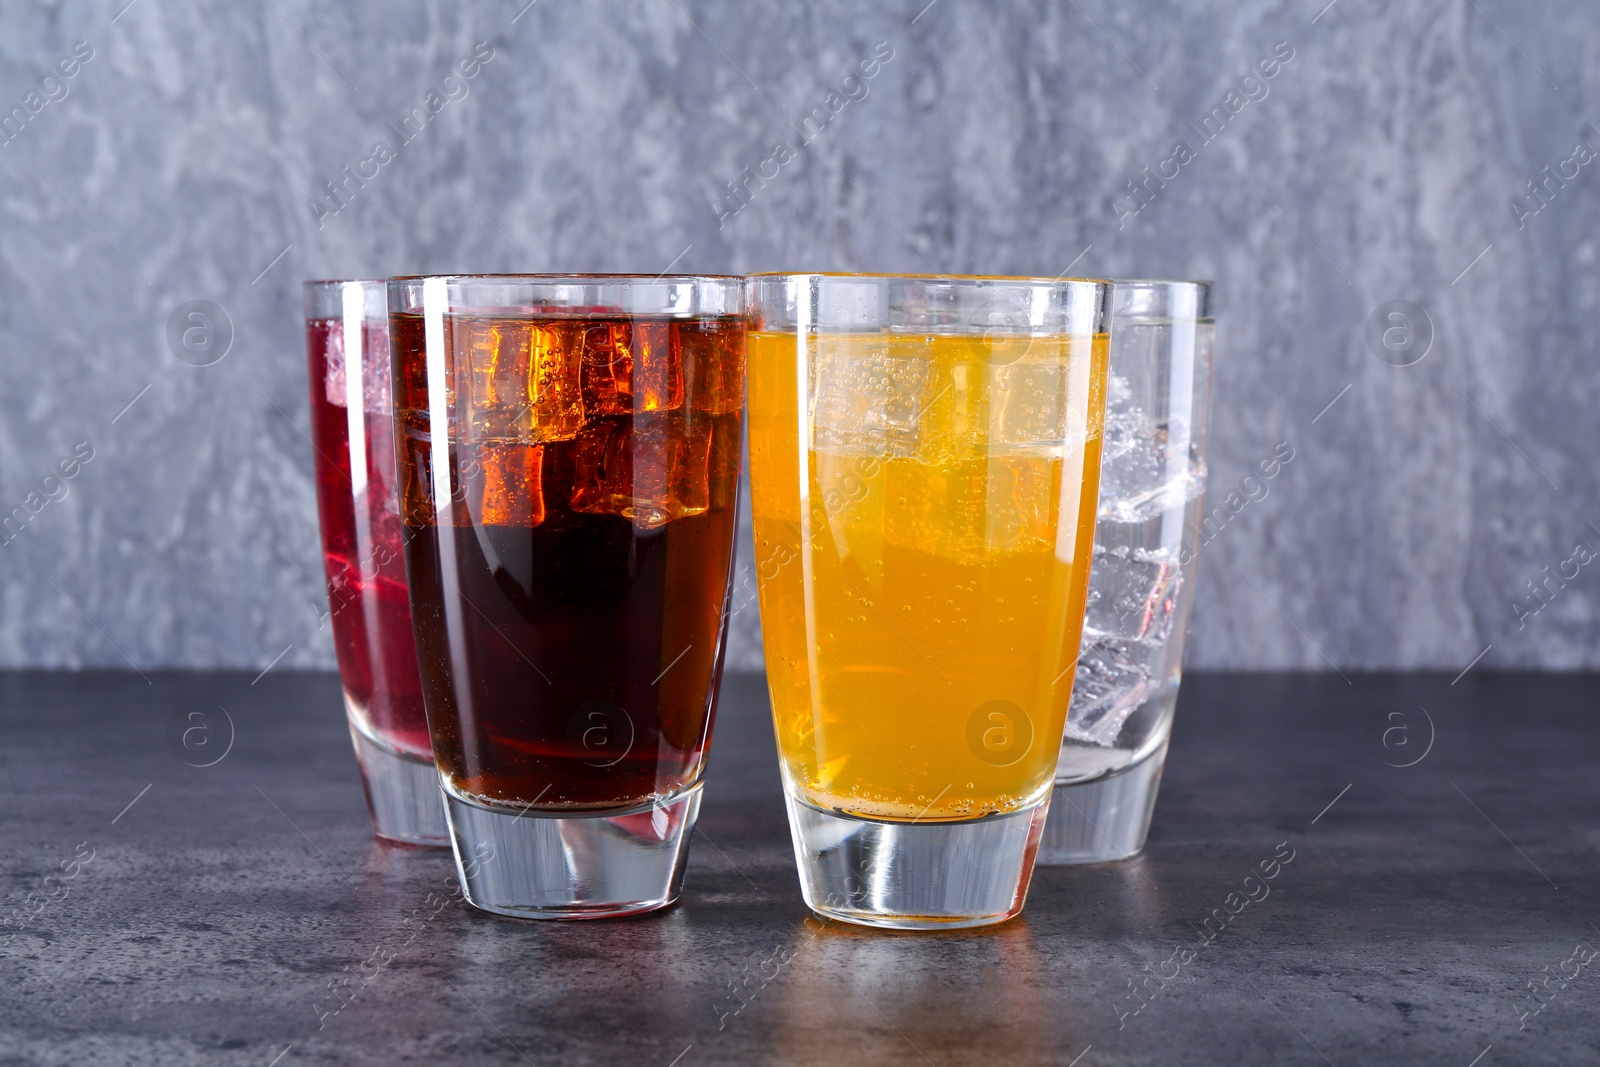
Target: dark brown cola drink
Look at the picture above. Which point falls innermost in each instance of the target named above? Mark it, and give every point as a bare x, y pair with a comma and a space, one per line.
569, 545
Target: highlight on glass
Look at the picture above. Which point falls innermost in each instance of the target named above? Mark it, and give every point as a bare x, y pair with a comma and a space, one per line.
369, 608
1146, 543
924, 463
570, 455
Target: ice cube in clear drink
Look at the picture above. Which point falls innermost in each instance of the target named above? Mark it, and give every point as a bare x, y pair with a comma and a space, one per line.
1133, 591
1147, 466
1114, 677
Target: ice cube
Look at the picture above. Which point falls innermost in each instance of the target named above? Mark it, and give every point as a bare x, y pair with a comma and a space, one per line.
497, 370
1030, 402
954, 421
713, 364
1133, 591
1124, 420
417, 474
689, 464
724, 460
867, 398
331, 341
657, 383
1023, 504
521, 379
377, 388
631, 366
607, 371
1146, 466
650, 469
971, 509
1026, 394
555, 390
496, 483
503, 483
491, 373
1114, 678
1133, 596
377, 385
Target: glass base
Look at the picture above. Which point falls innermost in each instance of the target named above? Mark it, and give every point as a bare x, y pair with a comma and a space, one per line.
579, 865
402, 794
1104, 819
915, 876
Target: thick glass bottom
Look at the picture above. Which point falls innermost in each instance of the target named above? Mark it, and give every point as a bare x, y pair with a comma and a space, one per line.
402, 794
1104, 819
578, 865
916, 875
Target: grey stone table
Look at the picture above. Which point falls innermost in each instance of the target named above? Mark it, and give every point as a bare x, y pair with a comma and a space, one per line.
1437, 913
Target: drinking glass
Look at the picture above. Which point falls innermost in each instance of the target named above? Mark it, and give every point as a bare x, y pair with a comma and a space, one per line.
570, 455
924, 460
369, 610
1152, 487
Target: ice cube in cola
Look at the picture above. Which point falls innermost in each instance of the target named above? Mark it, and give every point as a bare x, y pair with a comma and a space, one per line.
651, 469
523, 380
631, 367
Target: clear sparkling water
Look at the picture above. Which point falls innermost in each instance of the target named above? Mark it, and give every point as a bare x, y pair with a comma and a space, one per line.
1152, 487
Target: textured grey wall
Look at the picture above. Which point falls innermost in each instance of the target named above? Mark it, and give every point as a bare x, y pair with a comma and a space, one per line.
1381, 162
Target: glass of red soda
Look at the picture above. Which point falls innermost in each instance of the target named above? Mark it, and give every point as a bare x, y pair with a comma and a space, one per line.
369, 608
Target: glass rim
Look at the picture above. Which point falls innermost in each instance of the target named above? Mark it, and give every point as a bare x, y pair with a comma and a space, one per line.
1163, 299
675, 296
1005, 279
328, 283
325, 298
565, 279
944, 303
1198, 283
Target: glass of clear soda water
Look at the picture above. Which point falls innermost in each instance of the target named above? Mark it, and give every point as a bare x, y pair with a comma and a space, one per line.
1147, 536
